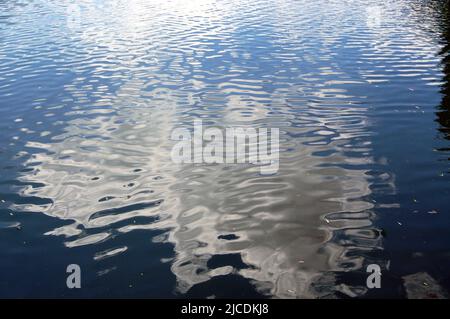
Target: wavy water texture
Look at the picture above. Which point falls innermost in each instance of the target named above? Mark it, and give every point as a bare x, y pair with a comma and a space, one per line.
92, 92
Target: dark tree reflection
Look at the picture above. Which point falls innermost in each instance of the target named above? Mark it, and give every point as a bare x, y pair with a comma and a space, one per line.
443, 113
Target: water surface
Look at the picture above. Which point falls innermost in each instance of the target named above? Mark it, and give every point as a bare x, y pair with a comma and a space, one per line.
89, 96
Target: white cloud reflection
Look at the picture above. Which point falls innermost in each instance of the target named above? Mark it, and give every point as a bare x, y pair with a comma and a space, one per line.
110, 170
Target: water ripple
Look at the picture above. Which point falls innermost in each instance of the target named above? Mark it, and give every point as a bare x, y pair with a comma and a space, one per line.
90, 98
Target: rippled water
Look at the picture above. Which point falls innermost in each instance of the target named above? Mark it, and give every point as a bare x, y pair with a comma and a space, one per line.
90, 93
